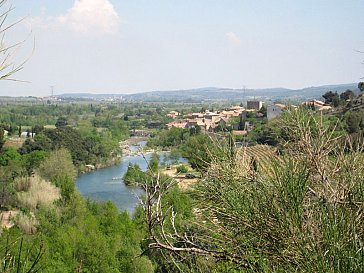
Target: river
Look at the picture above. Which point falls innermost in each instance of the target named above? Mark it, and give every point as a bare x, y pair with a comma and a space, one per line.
107, 184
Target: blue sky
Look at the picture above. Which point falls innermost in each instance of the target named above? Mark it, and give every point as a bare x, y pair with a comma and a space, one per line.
125, 46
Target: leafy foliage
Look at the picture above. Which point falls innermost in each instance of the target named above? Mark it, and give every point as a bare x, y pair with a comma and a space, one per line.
169, 138
199, 150
134, 175
331, 98
181, 169
2, 138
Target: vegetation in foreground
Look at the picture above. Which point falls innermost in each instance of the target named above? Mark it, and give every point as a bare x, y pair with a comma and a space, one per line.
303, 212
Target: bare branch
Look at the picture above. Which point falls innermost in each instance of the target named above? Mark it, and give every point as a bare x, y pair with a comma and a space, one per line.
8, 52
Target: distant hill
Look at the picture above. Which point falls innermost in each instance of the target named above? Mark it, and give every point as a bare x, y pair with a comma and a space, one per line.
210, 94
88, 96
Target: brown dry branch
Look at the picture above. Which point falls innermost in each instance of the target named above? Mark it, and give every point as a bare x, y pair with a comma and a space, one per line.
169, 238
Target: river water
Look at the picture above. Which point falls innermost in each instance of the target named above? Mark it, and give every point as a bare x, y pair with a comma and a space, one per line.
107, 184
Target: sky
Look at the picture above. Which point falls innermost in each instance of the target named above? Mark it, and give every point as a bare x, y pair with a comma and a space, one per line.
129, 46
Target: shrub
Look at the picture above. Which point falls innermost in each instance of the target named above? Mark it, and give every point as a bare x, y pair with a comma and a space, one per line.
57, 165
26, 222
182, 169
134, 175
22, 184
40, 192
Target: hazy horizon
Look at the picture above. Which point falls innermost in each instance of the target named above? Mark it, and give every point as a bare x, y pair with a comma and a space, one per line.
126, 47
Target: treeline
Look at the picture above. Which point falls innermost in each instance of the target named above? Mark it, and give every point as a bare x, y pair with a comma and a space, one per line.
349, 107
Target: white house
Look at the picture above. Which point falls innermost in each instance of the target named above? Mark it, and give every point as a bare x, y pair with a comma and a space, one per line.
275, 110
26, 134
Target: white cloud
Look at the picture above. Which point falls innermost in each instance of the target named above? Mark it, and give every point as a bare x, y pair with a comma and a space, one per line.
87, 17
91, 17
233, 38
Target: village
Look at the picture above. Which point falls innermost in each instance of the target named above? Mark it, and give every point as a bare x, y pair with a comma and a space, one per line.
234, 118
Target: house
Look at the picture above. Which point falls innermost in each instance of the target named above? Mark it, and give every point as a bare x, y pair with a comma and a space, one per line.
314, 103
208, 121
178, 124
237, 108
194, 115
325, 108
214, 117
318, 105
275, 110
173, 114
254, 104
228, 114
27, 134
224, 122
204, 124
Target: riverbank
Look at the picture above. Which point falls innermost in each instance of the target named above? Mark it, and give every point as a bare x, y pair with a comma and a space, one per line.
133, 146
107, 183
129, 147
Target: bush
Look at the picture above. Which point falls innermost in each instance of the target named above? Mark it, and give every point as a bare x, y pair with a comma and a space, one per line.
134, 175
26, 222
40, 192
22, 184
182, 169
57, 165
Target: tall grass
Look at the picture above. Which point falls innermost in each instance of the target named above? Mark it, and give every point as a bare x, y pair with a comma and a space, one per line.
39, 192
26, 222
306, 214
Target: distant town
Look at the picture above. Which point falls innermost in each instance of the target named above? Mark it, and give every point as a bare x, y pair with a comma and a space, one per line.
234, 118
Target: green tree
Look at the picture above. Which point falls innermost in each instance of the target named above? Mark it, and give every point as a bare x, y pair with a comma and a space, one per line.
32, 160
347, 95
134, 175
241, 122
61, 122
154, 163
199, 150
361, 86
37, 129
57, 166
181, 169
10, 154
263, 110
2, 138
353, 121
331, 98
